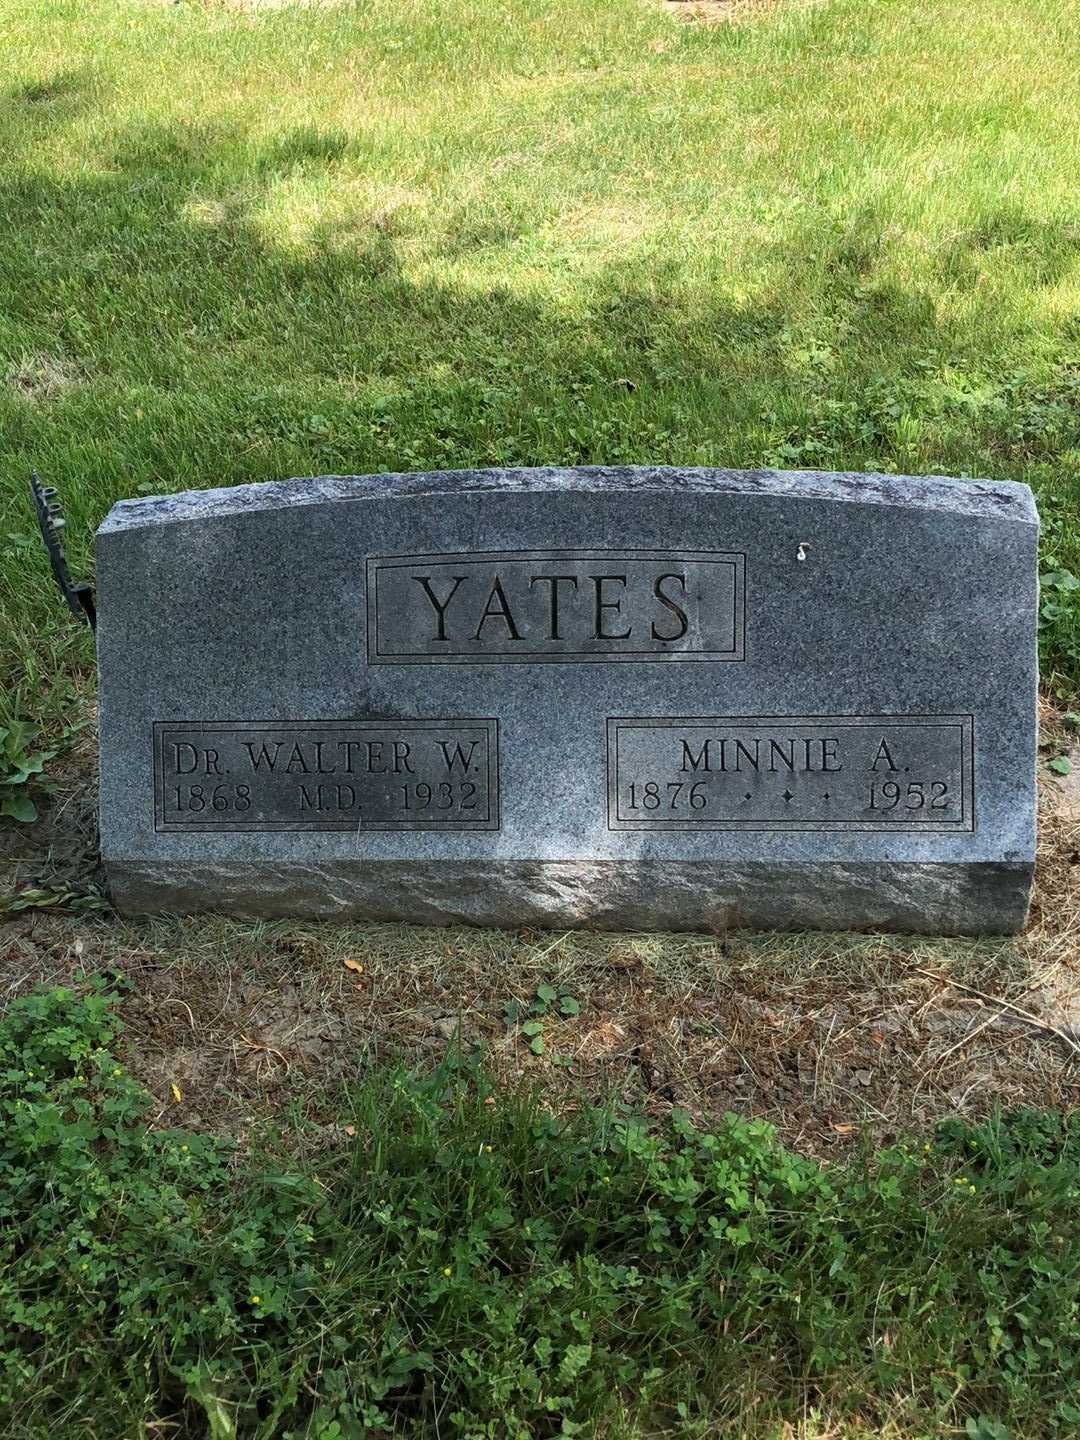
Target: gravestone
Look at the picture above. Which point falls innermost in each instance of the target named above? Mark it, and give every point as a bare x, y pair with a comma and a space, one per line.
633, 698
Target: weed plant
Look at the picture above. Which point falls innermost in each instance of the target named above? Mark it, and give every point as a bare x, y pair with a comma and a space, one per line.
458, 1261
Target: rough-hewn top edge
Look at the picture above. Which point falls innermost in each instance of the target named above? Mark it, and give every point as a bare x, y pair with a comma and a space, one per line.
999, 499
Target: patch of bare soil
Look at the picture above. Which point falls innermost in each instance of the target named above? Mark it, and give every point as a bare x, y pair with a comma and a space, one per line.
714, 12
827, 1036
258, 6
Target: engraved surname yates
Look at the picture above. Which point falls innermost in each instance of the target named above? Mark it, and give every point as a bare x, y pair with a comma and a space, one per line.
332, 775
890, 772
534, 606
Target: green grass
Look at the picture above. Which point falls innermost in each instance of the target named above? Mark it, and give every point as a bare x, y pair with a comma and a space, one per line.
241, 244
445, 1263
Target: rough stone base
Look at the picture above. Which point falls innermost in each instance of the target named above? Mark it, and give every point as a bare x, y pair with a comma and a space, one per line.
976, 899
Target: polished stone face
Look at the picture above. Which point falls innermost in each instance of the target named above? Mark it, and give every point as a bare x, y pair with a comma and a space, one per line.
693, 699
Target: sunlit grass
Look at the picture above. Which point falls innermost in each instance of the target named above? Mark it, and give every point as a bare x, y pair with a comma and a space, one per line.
267, 241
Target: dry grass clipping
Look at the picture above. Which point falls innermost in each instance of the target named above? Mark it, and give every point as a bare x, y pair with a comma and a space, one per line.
824, 1035
41, 376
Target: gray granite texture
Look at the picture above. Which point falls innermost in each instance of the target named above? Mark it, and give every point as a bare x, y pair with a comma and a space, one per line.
628, 698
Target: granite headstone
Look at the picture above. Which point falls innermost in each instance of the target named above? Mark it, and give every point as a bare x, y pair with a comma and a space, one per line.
625, 698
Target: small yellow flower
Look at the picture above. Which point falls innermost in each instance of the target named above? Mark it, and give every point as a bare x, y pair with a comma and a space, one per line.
117, 1074
971, 1189
489, 1148
447, 1271
256, 1299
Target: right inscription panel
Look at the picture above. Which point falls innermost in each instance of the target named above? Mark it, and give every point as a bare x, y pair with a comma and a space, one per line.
776, 772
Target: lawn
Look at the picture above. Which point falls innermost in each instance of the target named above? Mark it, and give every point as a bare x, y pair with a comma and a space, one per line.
248, 240
243, 242
451, 1258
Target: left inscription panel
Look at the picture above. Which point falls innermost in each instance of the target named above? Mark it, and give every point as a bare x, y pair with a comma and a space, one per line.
326, 775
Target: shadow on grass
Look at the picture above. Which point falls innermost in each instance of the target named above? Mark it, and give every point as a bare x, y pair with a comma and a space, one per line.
209, 353
44, 104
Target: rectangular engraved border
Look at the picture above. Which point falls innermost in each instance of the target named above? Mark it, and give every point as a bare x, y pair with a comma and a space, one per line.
964, 824
489, 725
735, 558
